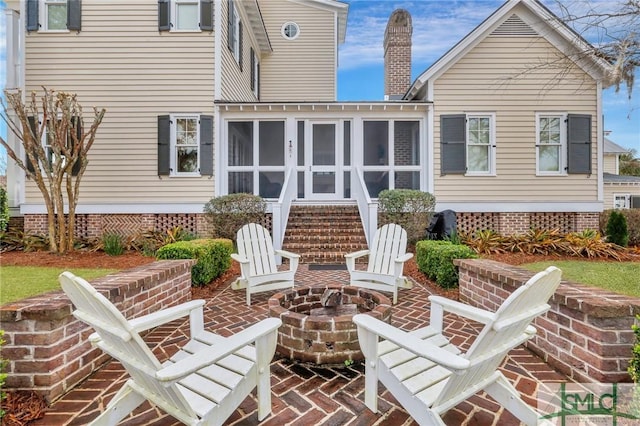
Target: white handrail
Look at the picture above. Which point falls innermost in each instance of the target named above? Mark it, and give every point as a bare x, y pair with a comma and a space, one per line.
367, 208
281, 210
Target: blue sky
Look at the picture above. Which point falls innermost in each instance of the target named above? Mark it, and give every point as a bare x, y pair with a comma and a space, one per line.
437, 26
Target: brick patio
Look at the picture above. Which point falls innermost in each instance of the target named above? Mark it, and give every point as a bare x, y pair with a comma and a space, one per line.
303, 394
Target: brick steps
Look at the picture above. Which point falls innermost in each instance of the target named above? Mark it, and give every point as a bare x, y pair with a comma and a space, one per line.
324, 234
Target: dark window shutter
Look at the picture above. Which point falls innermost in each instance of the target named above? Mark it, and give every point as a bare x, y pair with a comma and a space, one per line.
258, 80
206, 15
164, 15
230, 32
164, 145
33, 15
240, 44
74, 15
206, 145
253, 70
77, 123
579, 143
452, 144
33, 123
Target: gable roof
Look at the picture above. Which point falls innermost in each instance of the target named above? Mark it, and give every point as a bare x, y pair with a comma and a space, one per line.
610, 147
535, 17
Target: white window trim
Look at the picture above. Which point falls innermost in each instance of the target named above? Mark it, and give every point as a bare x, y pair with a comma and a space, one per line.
285, 25
43, 11
174, 17
173, 160
563, 143
236, 33
627, 200
492, 143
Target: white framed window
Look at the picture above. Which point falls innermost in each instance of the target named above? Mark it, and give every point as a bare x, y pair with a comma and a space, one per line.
551, 143
53, 15
480, 144
621, 201
185, 145
290, 30
186, 15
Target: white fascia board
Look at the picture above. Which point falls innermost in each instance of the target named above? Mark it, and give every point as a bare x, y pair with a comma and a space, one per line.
523, 207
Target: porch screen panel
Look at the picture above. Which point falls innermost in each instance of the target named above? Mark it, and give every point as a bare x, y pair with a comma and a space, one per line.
407, 180
376, 182
240, 182
324, 144
376, 143
406, 143
240, 143
347, 143
300, 143
270, 184
271, 143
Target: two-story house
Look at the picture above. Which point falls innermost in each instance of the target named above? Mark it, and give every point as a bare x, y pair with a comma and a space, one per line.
206, 98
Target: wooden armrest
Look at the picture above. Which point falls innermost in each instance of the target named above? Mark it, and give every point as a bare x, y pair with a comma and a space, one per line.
404, 257
356, 254
287, 254
411, 343
208, 356
462, 309
165, 315
238, 258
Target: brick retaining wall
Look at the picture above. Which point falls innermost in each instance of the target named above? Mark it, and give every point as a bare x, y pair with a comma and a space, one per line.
586, 334
47, 348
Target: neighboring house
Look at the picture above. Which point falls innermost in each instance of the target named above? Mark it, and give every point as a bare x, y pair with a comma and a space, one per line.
620, 191
206, 98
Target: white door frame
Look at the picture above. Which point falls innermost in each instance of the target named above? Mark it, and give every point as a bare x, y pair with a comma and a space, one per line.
336, 168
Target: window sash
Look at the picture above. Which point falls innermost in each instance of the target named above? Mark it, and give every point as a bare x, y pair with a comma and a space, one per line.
186, 16
55, 15
551, 144
480, 144
185, 145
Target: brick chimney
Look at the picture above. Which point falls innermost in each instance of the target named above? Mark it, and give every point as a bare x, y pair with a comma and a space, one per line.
397, 54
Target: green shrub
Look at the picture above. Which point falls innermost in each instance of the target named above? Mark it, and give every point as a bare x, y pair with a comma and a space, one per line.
213, 257
409, 208
617, 231
228, 213
435, 260
112, 244
4, 209
632, 217
634, 363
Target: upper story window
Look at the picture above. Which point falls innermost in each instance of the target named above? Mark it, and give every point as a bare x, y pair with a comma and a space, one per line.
54, 15
185, 15
255, 74
234, 33
563, 144
290, 30
468, 144
56, 154
185, 145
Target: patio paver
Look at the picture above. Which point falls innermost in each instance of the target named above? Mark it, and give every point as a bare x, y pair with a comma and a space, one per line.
304, 394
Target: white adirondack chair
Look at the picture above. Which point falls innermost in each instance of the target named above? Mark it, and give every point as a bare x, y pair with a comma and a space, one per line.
387, 255
202, 384
428, 375
257, 260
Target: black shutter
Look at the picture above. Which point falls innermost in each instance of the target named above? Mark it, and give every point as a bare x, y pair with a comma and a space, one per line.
74, 15
33, 123
240, 44
164, 15
579, 143
164, 145
258, 80
206, 145
77, 123
33, 15
230, 32
453, 159
206, 15
253, 69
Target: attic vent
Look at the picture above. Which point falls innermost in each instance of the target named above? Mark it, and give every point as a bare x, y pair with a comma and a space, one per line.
514, 26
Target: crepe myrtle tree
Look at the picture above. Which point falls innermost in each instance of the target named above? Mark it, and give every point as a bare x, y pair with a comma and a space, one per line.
51, 131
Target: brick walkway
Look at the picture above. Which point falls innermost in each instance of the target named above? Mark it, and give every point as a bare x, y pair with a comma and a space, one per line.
302, 394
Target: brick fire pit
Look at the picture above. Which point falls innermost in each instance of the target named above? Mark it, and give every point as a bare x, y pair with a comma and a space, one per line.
323, 339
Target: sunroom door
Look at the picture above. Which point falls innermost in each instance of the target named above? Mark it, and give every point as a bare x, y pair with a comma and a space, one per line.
322, 179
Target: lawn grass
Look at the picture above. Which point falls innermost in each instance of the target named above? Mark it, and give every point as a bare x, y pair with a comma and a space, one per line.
20, 282
619, 277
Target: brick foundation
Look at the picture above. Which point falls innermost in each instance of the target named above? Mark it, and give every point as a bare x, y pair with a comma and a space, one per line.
47, 348
510, 223
586, 334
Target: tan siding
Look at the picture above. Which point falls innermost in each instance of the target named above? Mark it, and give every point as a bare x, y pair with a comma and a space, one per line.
609, 165
482, 81
236, 83
611, 189
303, 69
121, 62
